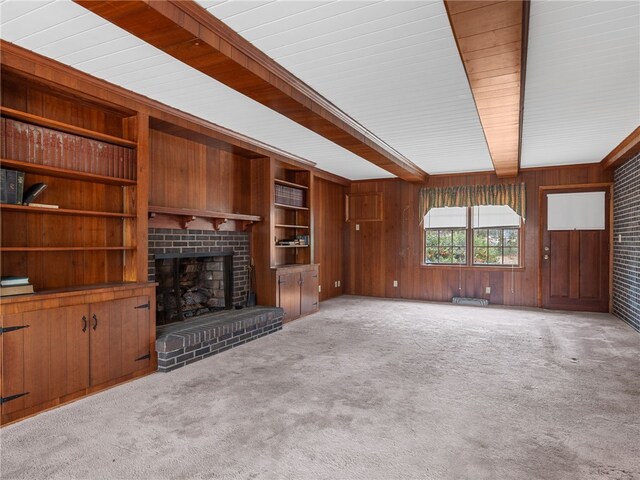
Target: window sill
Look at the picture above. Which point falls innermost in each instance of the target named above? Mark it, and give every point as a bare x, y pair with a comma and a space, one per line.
488, 268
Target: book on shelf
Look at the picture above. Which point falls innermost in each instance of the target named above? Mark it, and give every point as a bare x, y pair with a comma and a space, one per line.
286, 195
42, 205
32, 192
16, 290
302, 239
12, 186
10, 281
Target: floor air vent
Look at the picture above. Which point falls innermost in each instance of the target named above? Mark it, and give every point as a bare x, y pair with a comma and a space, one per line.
479, 302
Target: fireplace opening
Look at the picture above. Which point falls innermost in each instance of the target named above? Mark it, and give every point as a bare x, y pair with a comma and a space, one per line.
190, 285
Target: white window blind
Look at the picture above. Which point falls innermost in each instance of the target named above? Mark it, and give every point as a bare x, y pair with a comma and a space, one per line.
486, 216
446, 217
576, 211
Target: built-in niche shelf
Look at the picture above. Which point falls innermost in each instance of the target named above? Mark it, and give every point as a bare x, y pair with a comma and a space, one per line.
289, 184
65, 127
296, 227
187, 216
290, 207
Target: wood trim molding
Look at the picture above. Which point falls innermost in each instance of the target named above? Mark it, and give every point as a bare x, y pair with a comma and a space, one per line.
492, 41
189, 33
80, 84
626, 150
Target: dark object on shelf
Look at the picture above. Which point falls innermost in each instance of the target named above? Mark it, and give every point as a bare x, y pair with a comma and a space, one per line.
12, 186
33, 191
13, 281
3, 185
19, 187
251, 294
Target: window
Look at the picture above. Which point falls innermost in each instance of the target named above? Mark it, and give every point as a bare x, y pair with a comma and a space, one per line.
446, 235
484, 235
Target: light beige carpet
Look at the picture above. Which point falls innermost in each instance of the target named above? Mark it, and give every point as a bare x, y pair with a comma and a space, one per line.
367, 389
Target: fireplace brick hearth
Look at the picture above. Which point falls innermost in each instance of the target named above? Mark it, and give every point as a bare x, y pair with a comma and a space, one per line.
180, 344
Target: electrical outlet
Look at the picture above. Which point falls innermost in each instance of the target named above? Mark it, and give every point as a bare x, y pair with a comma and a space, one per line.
335, 284
395, 283
357, 226
319, 288
487, 290
619, 237
338, 282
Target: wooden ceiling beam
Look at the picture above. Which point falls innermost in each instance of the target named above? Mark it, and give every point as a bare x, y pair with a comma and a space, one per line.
189, 33
626, 150
492, 41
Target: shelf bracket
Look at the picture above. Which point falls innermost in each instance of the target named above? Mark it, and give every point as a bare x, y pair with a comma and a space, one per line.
185, 220
244, 224
217, 222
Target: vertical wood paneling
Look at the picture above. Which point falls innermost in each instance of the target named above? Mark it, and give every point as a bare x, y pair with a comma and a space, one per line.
391, 249
188, 174
328, 205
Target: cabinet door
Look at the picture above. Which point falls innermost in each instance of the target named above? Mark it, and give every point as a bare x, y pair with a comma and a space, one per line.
289, 295
47, 359
309, 292
119, 338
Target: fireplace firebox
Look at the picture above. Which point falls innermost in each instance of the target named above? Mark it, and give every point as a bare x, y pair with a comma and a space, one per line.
192, 284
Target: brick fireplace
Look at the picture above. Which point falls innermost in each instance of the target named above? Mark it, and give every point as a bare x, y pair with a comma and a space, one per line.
208, 250
192, 284
218, 259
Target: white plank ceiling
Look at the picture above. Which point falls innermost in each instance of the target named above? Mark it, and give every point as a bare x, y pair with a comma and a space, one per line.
392, 65
582, 94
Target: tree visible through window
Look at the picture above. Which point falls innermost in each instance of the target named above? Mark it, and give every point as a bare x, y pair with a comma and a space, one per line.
484, 235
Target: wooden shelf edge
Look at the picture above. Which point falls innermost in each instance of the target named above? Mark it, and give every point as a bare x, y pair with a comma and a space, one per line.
63, 172
64, 211
65, 127
76, 290
291, 207
64, 249
292, 246
299, 227
290, 184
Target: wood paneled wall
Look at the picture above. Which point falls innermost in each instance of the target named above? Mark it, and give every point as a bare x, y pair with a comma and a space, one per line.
40, 100
188, 174
329, 224
391, 249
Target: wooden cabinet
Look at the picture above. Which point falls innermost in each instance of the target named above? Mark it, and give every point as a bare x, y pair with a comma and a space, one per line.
45, 356
52, 354
297, 290
119, 338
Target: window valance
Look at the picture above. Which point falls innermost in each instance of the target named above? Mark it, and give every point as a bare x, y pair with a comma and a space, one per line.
513, 195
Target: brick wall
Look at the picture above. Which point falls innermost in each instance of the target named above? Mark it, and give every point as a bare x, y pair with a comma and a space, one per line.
167, 240
626, 253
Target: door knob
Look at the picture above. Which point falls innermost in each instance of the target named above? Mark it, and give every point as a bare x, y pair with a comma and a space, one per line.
546, 257
546, 249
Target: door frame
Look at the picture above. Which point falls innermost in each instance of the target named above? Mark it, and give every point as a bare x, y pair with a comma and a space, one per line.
577, 187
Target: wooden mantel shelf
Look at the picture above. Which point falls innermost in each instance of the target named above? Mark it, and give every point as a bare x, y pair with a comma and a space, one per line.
187, 216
